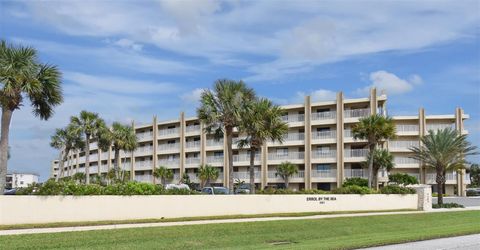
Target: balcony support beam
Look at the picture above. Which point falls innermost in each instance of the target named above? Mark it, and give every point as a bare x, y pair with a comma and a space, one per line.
422, 131
308, 144
182, 143
132, 162
155, 143
461, 186
340, 132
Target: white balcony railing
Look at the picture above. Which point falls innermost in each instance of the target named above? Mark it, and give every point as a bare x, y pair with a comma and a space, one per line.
192, 128
294, 137
323, 154
144, 150
214, 142
324, 135
332, 173
143, 164
144, 178
145, 136
439, 126
192, 160
286, 156
293, 118
245, 175
324, 115
214, 159
169, 146
168, 162
168, 131
402, 128
245, 157
356, 113
405, 161
356, 173
104, 168
192, 144
355, 153
402, 144
449, 177
274, 175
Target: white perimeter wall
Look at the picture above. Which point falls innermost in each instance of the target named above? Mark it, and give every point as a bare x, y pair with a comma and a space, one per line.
45, 209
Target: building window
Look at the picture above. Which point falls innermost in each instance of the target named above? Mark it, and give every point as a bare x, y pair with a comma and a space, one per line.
323, 167
218, 154
21, 182
282, 151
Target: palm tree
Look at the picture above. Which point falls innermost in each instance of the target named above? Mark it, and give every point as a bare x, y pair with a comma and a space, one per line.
375, 129
444, 150
89, 124
286, 170
206, 174
261, 121
119, 137
79, 177
382, 159
221, 110
164, 174
23, 76
65, 140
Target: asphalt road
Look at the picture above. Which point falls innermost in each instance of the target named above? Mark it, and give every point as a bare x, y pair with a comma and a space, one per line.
468, 242
465, 201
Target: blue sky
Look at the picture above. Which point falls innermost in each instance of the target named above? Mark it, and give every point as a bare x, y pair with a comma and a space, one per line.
133, 59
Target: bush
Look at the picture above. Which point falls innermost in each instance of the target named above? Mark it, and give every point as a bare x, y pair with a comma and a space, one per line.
271, 190
361, 182
448, 205
402, 179
353, 189
395, 189
472, 193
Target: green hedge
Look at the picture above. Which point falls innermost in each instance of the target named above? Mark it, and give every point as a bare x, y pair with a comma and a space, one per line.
287, 191
403, 179
354, 189
356, 181
448, 205
395, 189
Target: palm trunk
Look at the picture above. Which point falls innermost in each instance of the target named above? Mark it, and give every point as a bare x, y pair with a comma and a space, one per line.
443, 185
440, 179
6, 119
116, 163
87, 159
370, 166
229, 132
252, 170
207, 182
375, 178
286, 182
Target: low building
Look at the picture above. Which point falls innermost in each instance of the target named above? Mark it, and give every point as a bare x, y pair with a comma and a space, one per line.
20, 180
319, 142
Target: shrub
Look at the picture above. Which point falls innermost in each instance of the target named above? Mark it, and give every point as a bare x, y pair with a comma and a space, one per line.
402, 179
361, 182
472, 193
353, 189
395, 189
271, 190
448, 205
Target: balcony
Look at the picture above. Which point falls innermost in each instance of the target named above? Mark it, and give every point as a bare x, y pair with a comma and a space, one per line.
325, 154
327, 115
402, 145
245, 158
144, 178
144, 151
439, 126
214, 159
274, 177
360, 154
324, 135
451, 178
145, 136
405, 162
215, 142
192, 144
170, 163
194, 178
143, 165
293, 118
290, 156
169, 147
192, 160
356, 113
104, 168
356, 173
169, 132
104, 156
245, 176
324, 174
192, 129
407, 129
291, 137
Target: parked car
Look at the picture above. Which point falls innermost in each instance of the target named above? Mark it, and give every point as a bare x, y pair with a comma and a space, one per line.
12, 191
473, 191
177, 186
243, 189
215, 190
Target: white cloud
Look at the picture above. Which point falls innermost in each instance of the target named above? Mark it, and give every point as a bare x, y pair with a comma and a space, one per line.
391, 83
192, 97
126, 43
318, 95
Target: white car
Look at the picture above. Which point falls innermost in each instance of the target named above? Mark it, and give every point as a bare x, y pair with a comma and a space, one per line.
177, 186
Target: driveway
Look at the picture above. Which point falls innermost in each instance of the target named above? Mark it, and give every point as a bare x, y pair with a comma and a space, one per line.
465, 201
468, 242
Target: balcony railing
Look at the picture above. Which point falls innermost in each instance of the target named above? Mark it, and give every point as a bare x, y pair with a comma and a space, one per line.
439, 126
245, 157
144, 150
169, 146
145, 136
402, 144
192, 144
293, 118
355, 153
214, 159
192, 160
355, 173
192, 128
324, 115
407, 128
356, 113
274, 175
324, 135
144, 178
143, 164
287, 156
214, 142
323, 154
332, 173
405, 161
104, 168
168, 131
432, 177
168, 162
245, 175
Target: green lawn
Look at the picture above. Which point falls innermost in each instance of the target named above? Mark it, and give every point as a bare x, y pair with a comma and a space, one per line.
333, 233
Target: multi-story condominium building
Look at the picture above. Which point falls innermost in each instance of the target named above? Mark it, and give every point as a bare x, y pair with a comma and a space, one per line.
20, 180
319, 141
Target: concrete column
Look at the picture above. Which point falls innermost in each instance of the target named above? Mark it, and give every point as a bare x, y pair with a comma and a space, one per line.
340, 146
373, 101
461, 186
132, 162
422, 131
424, 193
308, 145
264, 165
203, 145
182, 143
99, 160
77, 161
226, 170
155, 145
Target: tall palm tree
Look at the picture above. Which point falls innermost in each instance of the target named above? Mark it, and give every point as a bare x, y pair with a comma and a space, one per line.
444, 150
261, 121
220, 111
23, 76
89, 124
286, 170
65, 140
119, 137
375, 129
164, 174
382, 160
206, 174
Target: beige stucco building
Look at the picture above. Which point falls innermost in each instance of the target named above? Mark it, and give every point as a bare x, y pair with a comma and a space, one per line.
319, 141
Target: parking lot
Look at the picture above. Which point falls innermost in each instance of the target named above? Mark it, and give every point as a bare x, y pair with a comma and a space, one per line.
465, 201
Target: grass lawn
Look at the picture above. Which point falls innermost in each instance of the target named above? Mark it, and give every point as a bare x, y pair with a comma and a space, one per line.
332, 233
